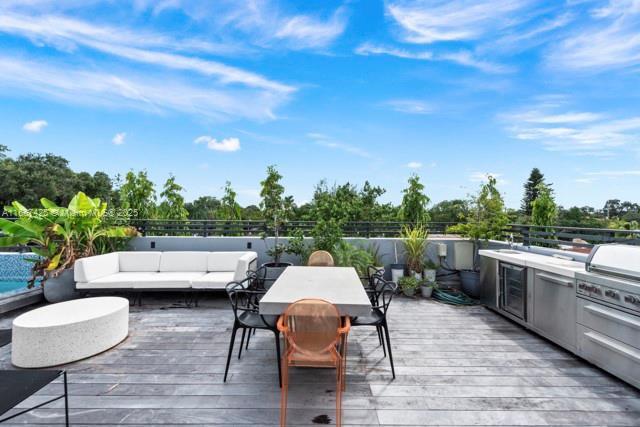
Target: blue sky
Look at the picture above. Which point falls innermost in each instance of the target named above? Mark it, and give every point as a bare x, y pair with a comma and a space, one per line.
344, 90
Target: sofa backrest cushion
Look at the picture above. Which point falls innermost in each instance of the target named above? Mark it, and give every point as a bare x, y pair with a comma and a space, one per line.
184, 261
139, 261
246, 262
95, 267
223, 261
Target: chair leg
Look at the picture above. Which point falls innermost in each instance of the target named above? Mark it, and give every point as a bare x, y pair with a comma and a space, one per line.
277, 334
386, 333
233, 338
381, 337
66, 400
244, 333
284, 392
339, 388
249, 337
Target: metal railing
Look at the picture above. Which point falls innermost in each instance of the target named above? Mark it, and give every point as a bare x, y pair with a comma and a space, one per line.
206, 228
574, 237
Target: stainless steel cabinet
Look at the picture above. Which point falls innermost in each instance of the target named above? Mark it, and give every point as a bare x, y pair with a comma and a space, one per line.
554, 308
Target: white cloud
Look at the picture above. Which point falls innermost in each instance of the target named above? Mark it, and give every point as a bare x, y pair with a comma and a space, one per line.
431, 21
610, 40
575, 132
118, 138
65, 34
584, 180
226, 144
414, 165
35, 126
328, 142
463, 57
154, 92
409, 106
303, 31
367, 49
484, 177
615, 173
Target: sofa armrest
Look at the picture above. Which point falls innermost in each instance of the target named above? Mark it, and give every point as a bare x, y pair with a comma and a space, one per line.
244, 264
95, 267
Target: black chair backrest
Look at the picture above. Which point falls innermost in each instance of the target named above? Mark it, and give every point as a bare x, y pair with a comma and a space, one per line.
267, 274
241, 297
374, 273
385, 291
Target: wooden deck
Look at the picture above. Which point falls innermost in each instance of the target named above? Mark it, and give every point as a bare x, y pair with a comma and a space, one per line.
455, 367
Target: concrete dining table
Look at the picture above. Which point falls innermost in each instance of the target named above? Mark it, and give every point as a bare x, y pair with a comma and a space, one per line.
340, 286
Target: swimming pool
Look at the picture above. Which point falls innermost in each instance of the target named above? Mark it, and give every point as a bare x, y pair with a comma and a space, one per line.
15, 270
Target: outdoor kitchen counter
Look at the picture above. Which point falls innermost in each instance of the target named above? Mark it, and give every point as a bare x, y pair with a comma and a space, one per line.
551, 264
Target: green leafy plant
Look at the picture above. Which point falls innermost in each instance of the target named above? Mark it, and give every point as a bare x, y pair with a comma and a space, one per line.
376, 257
60, 235
296, 246
326, 235
544, 210
414, 240
408, 284
348, 255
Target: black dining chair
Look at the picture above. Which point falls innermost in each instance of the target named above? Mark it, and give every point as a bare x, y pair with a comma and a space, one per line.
266, 275
247, 317
382, 293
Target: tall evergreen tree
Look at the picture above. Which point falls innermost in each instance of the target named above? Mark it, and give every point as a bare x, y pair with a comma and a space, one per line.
532, 190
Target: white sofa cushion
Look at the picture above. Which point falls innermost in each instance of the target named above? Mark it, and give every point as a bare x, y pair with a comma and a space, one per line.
183, 261
169, 280
95, 267
125, 280
214, 280
223, 261
139, 261
243, 265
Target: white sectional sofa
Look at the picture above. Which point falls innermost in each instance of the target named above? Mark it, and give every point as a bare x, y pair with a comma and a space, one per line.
139, 271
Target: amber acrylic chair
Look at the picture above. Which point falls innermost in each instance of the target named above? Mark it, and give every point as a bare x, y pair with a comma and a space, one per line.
320, 259
316, 337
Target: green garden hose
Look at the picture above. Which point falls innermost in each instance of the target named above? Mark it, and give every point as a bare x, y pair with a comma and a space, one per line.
452, 296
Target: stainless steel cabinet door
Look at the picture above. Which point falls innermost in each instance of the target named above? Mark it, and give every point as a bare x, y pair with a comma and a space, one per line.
554, 307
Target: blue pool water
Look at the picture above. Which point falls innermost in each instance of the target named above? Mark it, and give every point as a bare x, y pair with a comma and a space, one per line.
15, 270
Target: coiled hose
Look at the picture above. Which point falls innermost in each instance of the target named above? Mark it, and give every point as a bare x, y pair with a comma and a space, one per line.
452, 296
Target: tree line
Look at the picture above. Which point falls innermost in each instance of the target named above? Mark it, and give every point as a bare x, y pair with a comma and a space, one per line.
29, 177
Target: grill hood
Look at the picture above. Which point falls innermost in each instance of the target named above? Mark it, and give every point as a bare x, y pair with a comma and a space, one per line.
615, 260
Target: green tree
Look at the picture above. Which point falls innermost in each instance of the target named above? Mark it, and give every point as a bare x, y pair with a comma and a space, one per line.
531, 190
275, 207
414, 202
33, 176
543, 208
138, 194
3, 150
450, 211
229, 208
205, 207
172, 205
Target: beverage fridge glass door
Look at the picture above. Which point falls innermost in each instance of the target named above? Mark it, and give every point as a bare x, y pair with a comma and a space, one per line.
513, 289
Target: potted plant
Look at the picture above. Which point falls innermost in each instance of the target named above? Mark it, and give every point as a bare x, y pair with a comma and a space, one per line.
415, 244
429, 272
408, 285
60, 236
426, 288
487, 220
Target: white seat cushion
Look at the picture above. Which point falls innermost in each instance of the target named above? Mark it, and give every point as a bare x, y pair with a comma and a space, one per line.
215, 280
169, 280
125, 280
223, 261
183, 261
95, 267
139, 261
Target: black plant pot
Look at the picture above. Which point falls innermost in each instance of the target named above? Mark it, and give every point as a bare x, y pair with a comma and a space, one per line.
61, 288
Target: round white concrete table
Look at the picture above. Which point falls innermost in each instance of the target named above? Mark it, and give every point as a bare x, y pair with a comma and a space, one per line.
68, 331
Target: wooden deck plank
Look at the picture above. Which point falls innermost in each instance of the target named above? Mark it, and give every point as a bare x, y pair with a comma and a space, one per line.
455, 366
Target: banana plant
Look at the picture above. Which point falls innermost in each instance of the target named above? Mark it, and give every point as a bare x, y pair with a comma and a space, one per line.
60, 235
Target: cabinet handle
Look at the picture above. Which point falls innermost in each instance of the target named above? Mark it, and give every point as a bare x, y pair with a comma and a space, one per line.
553, 279
613, 346
609, 315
